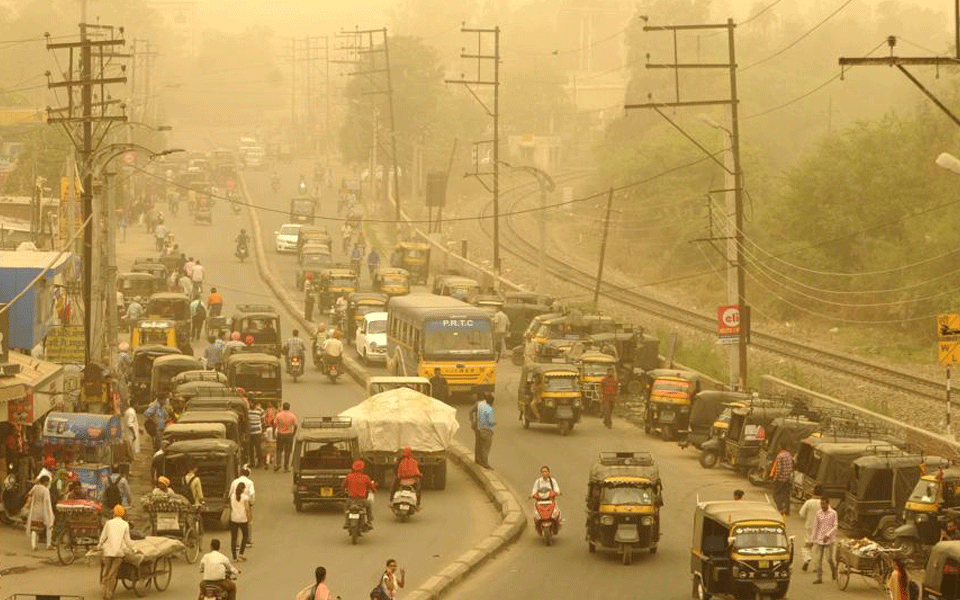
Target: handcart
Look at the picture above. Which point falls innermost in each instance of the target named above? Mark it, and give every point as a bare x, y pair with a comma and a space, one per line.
80, 525
865, 558
151, 564
179, 521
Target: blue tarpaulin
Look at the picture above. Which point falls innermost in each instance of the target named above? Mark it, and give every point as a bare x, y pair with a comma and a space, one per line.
81, 428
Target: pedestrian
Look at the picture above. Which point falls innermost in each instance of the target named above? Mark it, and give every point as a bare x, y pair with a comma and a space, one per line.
782, 475
198, 314
114, 544
738, 495
609, 391
484, 433
193, 485
439, 388
393, 579
39, 511
318, 590
156, 420
239, 520
824, 538
251, 491
308, 297
286, 424
188, 268
117, 490
131, 427
215, 302
269, 446
213, 354
808, 512
899, 582
255, 415
196, 275
501, 325
185, 284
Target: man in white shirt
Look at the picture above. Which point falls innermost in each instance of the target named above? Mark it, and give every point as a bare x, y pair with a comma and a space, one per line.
215, 566
808, 512
501, 324
114, 543
131, 427
197, 277
250, 491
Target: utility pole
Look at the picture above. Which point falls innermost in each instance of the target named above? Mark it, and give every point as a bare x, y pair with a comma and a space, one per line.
735, 229
86, 125
480, 80
603, 250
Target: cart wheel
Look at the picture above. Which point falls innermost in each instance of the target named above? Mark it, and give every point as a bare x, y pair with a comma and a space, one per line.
193, 545
162, 573
65, 549
141, 585
843, 574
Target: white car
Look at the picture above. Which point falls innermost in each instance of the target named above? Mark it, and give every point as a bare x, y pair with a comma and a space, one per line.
371, 339
286, 238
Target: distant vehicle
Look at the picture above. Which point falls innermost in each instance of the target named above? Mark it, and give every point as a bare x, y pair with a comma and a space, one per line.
371, 338
286, 237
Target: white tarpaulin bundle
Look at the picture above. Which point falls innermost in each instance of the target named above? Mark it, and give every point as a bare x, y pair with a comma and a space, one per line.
403, 417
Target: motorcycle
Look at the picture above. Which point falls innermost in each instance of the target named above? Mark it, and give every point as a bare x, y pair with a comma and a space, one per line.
212, 591
303, 188
235, 207
357, 523
404, 500
546, 516
331, 367
295, 369
242, 252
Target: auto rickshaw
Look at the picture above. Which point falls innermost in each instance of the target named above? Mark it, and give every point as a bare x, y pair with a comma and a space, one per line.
935, 499
134, 284
593, 367
828, 461
358, 305
521, 308
705, 410
175, 307
154, 332
192, 389
209, 398
637, 353
335, 282
941, 578
878, 490
231, 421
257, 373
456, 286
303, 209
205, 375
153, 267
560, 396
264, 326
314, 259
740, 449
323, 454
392, 281
203, 214
415, 258
624, 496
740, 549
488, 302
142, 371
788, 431
175, 432
165, 368
218, 462
668, 401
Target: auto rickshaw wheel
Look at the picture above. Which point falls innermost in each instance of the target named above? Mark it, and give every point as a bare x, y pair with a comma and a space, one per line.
565, 427
628, 555
887, 528
843, 574
699, 591
756, 476
591, 547
708, 459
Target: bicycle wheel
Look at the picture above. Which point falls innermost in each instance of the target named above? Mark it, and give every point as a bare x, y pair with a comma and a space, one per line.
843, 574
65, 549
193, 545
162, 573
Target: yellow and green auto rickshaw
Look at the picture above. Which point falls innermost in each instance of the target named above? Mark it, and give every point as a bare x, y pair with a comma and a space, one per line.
593, 368
560, 398
392, 281
415, 258
153, 332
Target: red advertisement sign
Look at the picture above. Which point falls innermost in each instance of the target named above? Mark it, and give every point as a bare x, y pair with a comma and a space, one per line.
728, 320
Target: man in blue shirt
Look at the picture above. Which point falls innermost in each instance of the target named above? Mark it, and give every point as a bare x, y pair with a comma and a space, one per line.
484, 431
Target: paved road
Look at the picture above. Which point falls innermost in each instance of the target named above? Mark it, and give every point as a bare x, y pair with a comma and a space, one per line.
289, 545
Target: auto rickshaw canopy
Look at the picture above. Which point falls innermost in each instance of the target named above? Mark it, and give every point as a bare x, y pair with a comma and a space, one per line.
144, 356
942, 574
194, 431
199, 375
169, 305
638, 464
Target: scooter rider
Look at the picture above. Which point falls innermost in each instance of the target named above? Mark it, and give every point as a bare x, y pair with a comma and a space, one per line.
359, 487
216, 568
294, 347
332, 348
320, 337
544, 482
242, 240
407, 469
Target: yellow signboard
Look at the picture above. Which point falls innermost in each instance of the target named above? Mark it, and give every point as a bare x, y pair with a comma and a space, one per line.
948, 325
65, 344
948, 352
69, 210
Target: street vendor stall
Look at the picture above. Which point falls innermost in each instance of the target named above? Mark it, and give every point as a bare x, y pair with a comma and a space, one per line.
91, 444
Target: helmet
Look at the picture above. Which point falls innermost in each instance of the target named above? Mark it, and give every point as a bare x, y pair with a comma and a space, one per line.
124, 347
235, 335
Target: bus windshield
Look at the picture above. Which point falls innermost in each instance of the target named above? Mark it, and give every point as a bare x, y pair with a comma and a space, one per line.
461, 337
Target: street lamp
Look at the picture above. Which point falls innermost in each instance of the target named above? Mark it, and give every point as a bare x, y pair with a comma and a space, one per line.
546, 184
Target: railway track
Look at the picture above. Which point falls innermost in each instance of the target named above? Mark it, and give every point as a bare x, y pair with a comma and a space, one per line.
513, 243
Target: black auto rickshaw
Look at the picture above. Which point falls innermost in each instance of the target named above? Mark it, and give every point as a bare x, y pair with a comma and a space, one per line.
205, 375
877, 491
624, 496
142, 371
175, 432
154, 332
133, 284
488, 302
593, 368
263, 325
335, 282
303, 209
521, 308
392, 281
560, 399
740, 549
788, 431
218, 464
175, 307
740, 449
358, 305
705, 409
415, 258
669, 400
637, 354
152, 267
323, 455
313, 260
935, 499
192, 389
257, 374
220, 399
827, 460
165, 368
231, 421
456, 286
941, 578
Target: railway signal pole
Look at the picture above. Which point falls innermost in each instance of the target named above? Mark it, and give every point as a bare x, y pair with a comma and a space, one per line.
483, 79
736, 274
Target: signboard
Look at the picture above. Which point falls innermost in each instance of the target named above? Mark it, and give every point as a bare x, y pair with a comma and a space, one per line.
948, 342
65, 344
728, 323
948, 352
948, 325
20, 409
70, 210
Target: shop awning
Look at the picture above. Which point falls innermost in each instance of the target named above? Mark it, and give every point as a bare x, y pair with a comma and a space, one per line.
81, 428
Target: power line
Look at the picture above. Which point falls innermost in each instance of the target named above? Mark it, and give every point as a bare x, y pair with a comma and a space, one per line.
760, 12
799, 39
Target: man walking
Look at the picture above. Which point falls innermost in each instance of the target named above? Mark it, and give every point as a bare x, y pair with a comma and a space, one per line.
808, 512
255, 452
286, 424
501, 325
609, 391
824, 538
156, 420
782, 475
114, 543
484, 432
198, 314
438, 386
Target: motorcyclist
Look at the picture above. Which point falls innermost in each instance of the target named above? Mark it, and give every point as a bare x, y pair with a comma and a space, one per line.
332, 349
320, 337
373, 262
160, 233
293, 347
216, 569
340, 310
359, 486
242, 241
407, 469
356, 257
303, 185
134, 311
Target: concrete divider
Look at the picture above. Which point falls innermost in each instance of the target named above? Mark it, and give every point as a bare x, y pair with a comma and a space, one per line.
513, 519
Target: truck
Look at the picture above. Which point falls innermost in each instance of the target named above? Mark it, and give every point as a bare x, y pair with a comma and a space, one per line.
387, 422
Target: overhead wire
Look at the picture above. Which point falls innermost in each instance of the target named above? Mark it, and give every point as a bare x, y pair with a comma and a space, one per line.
802, 37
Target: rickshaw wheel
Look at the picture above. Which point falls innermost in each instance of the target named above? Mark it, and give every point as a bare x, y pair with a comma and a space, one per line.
565, 427
65, 549
843, 574
628, 556
141, 585
708, 459
163, 572
755, 476
192, 543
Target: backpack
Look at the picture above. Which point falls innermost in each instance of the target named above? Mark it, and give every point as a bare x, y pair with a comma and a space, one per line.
188, 494
111, 495
378, 593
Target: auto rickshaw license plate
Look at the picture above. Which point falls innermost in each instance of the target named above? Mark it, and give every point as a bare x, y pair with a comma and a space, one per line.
764, 564
326, 491
564, 412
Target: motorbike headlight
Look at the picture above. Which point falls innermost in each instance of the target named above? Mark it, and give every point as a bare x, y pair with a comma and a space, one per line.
606, 520
576, 403
736, 571
646, 521
549, 403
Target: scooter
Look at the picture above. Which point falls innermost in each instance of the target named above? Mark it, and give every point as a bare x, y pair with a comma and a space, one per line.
235, 207
546, 516
242, 252
212, 591
295, 369
331, 367
404, 500
357, 523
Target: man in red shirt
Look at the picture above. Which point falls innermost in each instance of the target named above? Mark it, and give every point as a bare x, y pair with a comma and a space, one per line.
407, 469
609, 390
359, 487
286, 424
